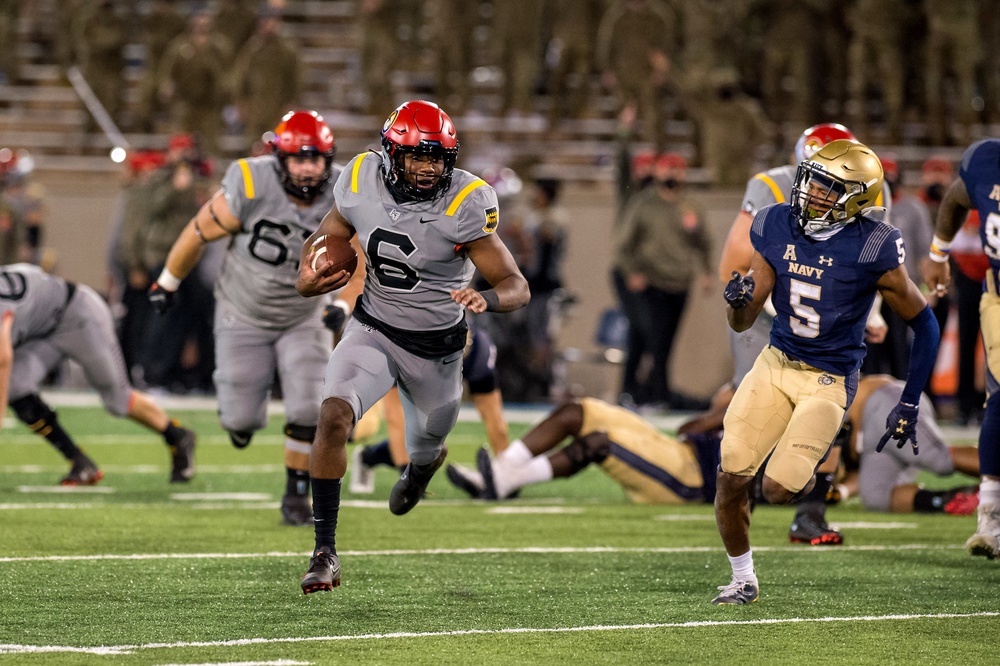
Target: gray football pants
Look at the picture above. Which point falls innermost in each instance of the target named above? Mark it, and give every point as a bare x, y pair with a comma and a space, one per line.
366, 364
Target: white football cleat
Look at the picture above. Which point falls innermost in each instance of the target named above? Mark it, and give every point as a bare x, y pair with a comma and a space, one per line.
986, 541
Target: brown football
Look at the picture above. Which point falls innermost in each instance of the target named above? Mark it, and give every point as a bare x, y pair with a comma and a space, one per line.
340, 253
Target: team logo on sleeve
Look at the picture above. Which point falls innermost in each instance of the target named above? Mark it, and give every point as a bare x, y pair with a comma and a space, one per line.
492, 219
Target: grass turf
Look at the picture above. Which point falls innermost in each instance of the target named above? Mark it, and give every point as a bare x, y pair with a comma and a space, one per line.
572, 572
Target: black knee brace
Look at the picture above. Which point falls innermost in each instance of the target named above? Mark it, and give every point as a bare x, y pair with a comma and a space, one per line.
302, 433
594, 448
34, 413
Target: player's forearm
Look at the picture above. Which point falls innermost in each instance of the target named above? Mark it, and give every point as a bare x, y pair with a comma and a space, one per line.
185, 253
510, 293
743, 318
923, 354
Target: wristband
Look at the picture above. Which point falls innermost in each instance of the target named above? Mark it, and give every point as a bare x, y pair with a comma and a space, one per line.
168, 281
939, 249
492, 300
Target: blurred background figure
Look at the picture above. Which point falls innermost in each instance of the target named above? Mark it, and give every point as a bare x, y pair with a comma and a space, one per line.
194, 80
636, 45
162, 24
569, 56
518, 29
380, 51
100, 51
454, 23
952, 53
659, 248
236, 21
22, 211
268, 77
10, 65
876, 64
787, 58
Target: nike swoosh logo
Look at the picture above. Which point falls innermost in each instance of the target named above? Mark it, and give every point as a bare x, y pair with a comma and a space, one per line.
447, 362
423, 221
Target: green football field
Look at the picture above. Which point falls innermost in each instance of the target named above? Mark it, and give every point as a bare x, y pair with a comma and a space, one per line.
138, 571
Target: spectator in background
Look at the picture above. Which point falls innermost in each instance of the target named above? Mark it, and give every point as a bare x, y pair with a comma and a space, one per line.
10, 69
633, 168
570, 56
455, 23
659, 247
636, 43
162, 24
971, 265
731, 127
236, 21
379, 21
936, 175
193, 80
788, 57
22, 209
518, 30
176, 193
268, 80
100, 48
952, 49
127, 276
913, 219
876, 62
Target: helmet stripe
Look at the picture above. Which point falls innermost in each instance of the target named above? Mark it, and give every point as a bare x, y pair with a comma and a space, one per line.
247, 178
460, 197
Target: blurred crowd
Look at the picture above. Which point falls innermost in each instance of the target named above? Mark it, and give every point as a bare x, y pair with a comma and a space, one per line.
899, 72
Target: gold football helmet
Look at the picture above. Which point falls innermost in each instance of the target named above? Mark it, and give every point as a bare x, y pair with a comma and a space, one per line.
839, 181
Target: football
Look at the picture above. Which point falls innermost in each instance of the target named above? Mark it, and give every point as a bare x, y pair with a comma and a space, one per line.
340, 252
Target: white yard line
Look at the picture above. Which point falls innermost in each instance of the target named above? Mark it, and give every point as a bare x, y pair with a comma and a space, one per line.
10, 648
531, 550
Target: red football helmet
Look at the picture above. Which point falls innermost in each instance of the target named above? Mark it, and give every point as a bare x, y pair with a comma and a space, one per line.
303, 134
418, 128
818, 136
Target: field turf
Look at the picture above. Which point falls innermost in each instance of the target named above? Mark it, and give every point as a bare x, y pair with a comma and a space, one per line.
139, 571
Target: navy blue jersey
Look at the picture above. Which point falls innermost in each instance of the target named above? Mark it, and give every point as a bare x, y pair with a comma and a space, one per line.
824, 288
980, 171
479, 367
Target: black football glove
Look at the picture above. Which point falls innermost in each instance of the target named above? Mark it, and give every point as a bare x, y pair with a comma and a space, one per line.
739, 291
160, 298
901, 425
334, 315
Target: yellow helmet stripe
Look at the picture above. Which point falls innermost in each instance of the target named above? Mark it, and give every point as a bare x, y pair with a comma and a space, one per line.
461, 196
779, 196
247, 178
357, 167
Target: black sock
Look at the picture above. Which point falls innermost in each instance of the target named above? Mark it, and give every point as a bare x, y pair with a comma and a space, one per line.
297, 482
326, 508
931, 501
42, 420
173, 433
819, 490
377, 454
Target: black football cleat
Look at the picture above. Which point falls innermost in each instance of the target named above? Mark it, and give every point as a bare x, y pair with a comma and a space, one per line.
296, 510
462, 477
485, 465
84, 472
323, 574
240, 439
813, 530
412, 485
182, 458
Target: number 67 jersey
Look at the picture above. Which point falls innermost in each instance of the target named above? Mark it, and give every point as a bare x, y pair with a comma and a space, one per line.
824, 288
262, 261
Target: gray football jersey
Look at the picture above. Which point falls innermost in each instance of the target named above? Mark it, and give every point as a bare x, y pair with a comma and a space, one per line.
262, 261
36, 298
413, 250
775, 186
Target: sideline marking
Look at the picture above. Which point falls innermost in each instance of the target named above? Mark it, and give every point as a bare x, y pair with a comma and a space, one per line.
279, 662
68, 490
528, 550
534, 509
10, 648
212, 497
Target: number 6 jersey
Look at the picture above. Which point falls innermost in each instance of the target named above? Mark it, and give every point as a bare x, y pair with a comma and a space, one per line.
262, 261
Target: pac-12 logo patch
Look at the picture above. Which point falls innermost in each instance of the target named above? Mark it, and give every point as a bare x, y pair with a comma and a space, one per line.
492, 219
826, 380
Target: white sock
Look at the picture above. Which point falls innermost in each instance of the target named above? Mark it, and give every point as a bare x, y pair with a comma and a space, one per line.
536, 470
515, 454
989, 491
743, 567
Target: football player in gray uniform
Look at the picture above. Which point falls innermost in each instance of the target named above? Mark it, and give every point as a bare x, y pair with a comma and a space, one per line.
424, 227
44, 320
266, 207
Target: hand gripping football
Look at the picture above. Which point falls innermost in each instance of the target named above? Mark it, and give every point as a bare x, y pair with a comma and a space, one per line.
338, 251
